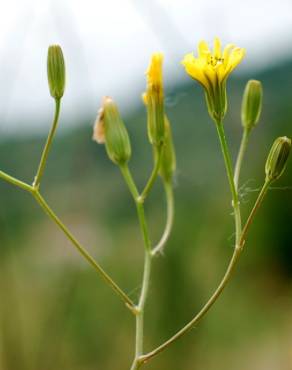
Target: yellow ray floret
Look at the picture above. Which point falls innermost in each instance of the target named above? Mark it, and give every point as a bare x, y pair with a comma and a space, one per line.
154, 71
211, 68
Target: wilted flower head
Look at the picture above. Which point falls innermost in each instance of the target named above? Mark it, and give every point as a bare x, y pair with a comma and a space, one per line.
110, 130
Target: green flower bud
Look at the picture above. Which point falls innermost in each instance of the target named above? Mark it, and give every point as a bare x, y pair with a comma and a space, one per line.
277, 158
110, 129
251, 104
168, 160
56, 71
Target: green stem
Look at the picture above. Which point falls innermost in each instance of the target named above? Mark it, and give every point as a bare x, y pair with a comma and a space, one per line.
251, 216
141, 305
154, 173
139, 201
229, 171
47, 147
234, 259
169, 219
240, 156
16, 182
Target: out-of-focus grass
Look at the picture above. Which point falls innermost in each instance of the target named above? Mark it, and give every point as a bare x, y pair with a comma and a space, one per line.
54, 310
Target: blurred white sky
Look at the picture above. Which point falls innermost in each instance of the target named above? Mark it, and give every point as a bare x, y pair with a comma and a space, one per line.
107, 45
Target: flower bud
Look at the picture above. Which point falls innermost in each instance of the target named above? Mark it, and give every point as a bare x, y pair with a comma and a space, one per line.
154, 100
168, 160
251, 104
56, 71
110, 129
277, 158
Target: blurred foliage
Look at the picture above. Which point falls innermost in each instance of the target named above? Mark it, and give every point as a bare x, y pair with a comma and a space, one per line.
54, 310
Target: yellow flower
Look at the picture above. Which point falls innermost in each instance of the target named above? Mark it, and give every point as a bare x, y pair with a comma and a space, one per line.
211, 70
153, 99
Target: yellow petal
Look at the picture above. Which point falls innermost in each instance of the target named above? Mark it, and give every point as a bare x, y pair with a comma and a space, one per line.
235, 58
203, 49
217, 48
211, 75
221, 72
226, 52
195, 68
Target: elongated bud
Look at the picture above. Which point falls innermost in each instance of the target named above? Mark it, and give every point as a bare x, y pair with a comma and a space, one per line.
251, 104
168, 160
277, 158
110, 129
56, 71
154, 100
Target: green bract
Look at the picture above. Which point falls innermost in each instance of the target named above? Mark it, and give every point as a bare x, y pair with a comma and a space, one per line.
277, 158
251, 104
56, 71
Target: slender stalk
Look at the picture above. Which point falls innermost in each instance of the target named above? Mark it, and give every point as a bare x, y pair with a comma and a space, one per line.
229, 171
169, 219
48, 144
139, 201
227, 160
154, 173
141, 305
234, 259
256, 206
16, 182
83, 251
240, 156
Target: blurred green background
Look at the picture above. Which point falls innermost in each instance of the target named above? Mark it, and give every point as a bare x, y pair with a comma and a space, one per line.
55, 312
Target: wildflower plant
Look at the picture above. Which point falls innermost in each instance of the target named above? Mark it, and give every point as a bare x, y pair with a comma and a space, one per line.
211, 69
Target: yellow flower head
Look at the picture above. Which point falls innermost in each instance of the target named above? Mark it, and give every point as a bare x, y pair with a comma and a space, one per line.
211, 70
153, 99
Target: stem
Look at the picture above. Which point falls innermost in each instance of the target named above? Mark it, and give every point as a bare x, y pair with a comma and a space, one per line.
139, 201
169, 219
141, 306
221, 286
154, 173
47, 147
16, 182
83, 251
241, 152
229, 171
227, 160
251, 216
